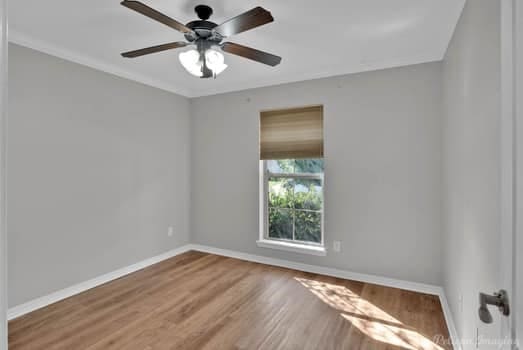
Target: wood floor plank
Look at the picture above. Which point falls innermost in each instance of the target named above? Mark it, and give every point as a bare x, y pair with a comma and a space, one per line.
204, 301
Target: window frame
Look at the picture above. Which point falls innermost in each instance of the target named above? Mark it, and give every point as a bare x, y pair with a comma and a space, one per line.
265, 175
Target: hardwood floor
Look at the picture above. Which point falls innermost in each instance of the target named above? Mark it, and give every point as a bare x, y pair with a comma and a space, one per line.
203, 301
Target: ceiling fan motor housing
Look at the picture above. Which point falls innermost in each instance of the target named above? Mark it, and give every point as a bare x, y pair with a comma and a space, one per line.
203, 28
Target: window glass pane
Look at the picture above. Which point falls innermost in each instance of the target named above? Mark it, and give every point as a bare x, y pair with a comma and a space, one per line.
308, 194
308, 226
281, 166
297, 166
274, 167
280, 223
281, 193
308, 166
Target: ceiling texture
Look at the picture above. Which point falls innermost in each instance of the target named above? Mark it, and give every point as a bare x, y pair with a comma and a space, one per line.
315, 38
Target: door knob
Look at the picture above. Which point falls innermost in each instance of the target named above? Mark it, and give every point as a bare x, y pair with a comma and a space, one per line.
499, 299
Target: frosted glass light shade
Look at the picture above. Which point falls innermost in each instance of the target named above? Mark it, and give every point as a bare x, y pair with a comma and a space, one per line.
215, 61
190, 60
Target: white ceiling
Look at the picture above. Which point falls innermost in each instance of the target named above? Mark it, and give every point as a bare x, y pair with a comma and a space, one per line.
315, 38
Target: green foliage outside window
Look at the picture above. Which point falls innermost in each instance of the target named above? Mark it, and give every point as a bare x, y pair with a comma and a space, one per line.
295, 204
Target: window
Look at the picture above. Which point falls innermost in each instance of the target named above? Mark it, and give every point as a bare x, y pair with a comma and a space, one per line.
295, 200
291, 155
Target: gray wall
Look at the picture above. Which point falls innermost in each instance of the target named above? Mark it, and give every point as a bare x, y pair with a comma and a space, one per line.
383, 169
471, 166
97, 170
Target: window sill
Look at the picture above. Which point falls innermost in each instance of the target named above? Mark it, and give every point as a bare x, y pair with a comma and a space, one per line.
292, 247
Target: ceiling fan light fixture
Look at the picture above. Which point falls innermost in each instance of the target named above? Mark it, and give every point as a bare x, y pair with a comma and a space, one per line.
192, 62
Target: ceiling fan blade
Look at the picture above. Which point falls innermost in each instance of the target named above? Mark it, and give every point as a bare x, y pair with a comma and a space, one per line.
153, 49
158, 16
252, 54
256, 17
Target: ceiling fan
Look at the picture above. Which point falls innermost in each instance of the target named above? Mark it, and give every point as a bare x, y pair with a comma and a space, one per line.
205, 61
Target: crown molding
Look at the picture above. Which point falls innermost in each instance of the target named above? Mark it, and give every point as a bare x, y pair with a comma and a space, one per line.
19, 38
22, 39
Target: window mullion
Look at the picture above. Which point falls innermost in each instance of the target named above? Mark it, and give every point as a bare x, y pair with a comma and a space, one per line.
293, 212
295, 176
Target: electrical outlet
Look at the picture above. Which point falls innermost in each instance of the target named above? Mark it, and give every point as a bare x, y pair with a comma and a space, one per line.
170, 231
336, 246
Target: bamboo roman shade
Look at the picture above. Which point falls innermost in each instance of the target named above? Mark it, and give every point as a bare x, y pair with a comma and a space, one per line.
292, 133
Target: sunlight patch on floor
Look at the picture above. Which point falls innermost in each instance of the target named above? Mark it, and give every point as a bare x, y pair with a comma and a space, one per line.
368, 318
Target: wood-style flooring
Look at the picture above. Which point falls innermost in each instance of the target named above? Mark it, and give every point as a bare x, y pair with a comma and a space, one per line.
203, 301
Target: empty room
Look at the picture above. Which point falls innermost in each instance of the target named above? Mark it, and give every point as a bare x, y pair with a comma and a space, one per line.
262, 174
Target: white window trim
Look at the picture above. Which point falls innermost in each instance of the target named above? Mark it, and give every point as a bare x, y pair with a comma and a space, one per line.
292, 247
264, 241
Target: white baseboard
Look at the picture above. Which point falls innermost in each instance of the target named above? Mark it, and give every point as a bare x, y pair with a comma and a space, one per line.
456, 343
360, 277
46, 300
41, 302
